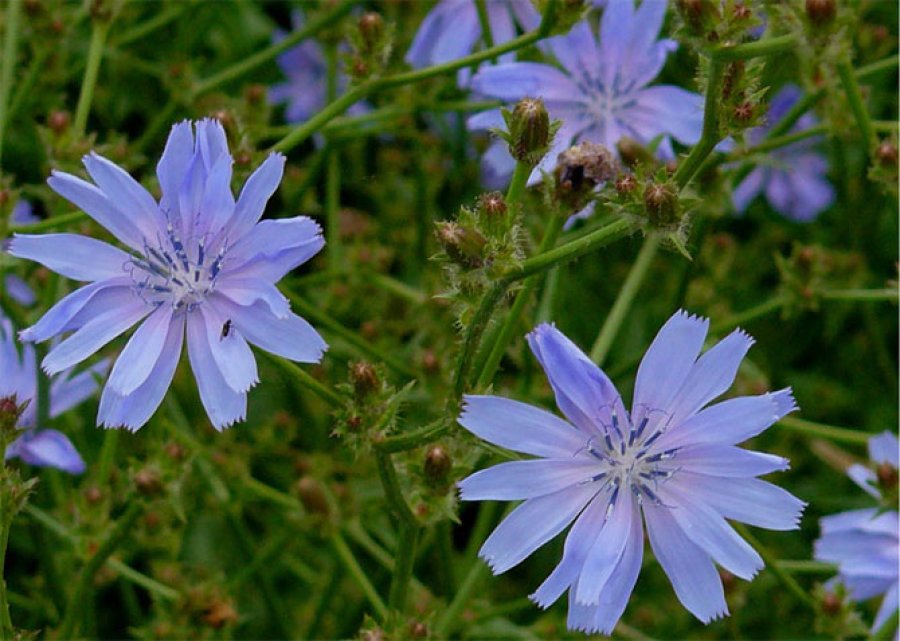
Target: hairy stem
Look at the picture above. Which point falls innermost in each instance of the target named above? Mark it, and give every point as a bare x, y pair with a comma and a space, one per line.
857, 106
89, 82
709, 135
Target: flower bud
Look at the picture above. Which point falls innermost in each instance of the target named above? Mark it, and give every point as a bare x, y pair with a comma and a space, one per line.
743, 113
831, 604
625, 184
887, 476
371, 28
10, 411
886, 154
633, 153
418, 630
581, 168
148, 482
437, 465
312, 496
463, 245
699, 15
58, 121
364, 378
219, 614
529, 130
661, 202
492, 204
820, 12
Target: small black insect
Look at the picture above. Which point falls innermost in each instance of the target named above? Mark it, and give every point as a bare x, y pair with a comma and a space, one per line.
226, 330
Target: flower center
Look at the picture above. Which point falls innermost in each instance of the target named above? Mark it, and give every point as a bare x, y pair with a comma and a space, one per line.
629, 458
175, 272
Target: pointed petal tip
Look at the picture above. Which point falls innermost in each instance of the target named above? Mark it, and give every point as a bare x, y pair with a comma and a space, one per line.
785, 403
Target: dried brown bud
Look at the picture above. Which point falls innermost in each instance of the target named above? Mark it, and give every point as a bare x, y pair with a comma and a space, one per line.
219, 614
364, 378
312, 496
820, 12
581, 168
887, 476
148, 482
58, 121
831, 604
529, 130
492, 204
626, 184
661, 202
437, 465
886, 154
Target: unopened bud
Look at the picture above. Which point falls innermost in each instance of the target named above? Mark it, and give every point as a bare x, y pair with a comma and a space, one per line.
887, 476
93, 495
10, 412
632, 152
741, 12
661, 202
312, 496
529, 130
463, 245
58, 121
886, 154
148, 482
219, 614
437, 465
743, 113
418, 630
626, 184
371, 28
255, 93
820, 12
492, 204
364, 378
831, 604
698, 14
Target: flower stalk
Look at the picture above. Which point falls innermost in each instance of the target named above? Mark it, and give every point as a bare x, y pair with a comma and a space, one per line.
91, 70
10, 47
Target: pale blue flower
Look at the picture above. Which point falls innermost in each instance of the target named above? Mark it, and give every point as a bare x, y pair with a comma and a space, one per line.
452, 29
17, 288
793, 177
42, 447
673, 459
197, 261
864, 543
599, 89
305, 92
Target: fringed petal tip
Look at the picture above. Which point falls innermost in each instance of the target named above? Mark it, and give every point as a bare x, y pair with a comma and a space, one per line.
785, 403
685, 315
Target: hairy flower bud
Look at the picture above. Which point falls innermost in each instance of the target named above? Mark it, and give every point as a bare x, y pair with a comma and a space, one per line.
886, 154
661, 202
887, 476
312, 496
10, 411
437, 465
831, 604
529, 130
364, 378
820, 12
699, 15
464, 245
371, 29
633, 153
58, 121
148, 482
492, 204
626, 184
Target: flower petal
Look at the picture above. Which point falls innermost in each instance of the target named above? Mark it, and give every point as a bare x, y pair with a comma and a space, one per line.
728, 460
711, 375
246, 291
96, 333
517, 480
888, 607
884, 449
532, 524
47, 448
74, 256
689, 568
218, 203
66, 393
174, 163
259, 187
520, 427
95, 204
668, 360
126, 194
608, 548
230, 351
271, 237
141, 352
291, 337
223, 405
61, 314
583, 392
516, 80
134, 410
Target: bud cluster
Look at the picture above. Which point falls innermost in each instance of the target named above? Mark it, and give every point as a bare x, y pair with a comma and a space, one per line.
715, 22
371, 43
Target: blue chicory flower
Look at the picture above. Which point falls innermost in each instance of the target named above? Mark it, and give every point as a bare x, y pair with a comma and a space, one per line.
673, 458
305, 91
865, 544
197, 261
17, 288
42, 447
452, 29
599, 90
791, 177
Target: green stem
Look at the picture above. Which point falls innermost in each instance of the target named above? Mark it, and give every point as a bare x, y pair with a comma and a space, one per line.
406, 556
7, 632
573, 249
339, 106
139, 578
504, 336
767, 47
477, 324
624, 300
772, 563
302, 378
78, 604
107, 456
807, 567
332, 205
857, 106
10, 46
770, 143
517, 185
862, 295
270, 53
392, 492
345, 556
709, 135
748, 315
414, 438
840, 434
150, 25
89, 82
485, 22
451, 616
